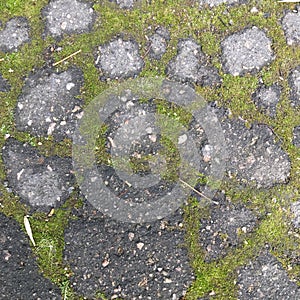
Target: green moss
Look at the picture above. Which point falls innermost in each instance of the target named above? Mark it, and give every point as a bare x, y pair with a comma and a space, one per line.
208, 27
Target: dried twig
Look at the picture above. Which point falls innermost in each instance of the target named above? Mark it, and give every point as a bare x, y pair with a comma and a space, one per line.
67, 57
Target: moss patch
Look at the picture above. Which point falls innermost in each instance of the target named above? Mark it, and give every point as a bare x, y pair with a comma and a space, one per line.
183, 19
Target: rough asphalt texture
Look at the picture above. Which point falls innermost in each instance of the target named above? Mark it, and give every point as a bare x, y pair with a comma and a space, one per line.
148, 261
150, 257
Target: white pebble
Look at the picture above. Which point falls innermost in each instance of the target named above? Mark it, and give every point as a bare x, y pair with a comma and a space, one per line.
140, 245
70, 85
182, 139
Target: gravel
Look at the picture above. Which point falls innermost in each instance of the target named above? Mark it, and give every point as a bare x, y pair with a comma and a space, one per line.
20, 277
191, 65
119, 59
125, 260
68, 17
265, 278
291, 27
266, 99
15, 33
48, 105
41, 182
294, 82
246, 51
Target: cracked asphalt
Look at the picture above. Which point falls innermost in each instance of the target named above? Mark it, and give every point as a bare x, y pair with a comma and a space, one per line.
187, 254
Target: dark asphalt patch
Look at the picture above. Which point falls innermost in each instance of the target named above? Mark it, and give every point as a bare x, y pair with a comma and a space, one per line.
130, 261
20, 277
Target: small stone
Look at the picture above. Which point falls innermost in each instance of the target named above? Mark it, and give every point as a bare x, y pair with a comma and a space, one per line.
131, 236
254, 10
70, 85
182, 139
140, 245
105, 263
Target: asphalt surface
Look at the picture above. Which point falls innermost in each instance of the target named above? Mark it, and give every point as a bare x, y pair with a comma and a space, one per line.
150, 260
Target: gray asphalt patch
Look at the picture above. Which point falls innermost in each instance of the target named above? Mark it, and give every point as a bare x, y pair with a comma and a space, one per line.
4, 85
291, 27
119, 59
128, 261
253, 154
213, 3
68, 17
265, 278
221, 230
191, 65
266, 99
41, 182
125, 4
48, 105
295, 208
246, 51
294, 82
158, 43
20, 277
296, 136
15, 33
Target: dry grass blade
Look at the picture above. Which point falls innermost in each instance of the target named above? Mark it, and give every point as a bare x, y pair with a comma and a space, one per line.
67, 57
28, 229
194, 190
